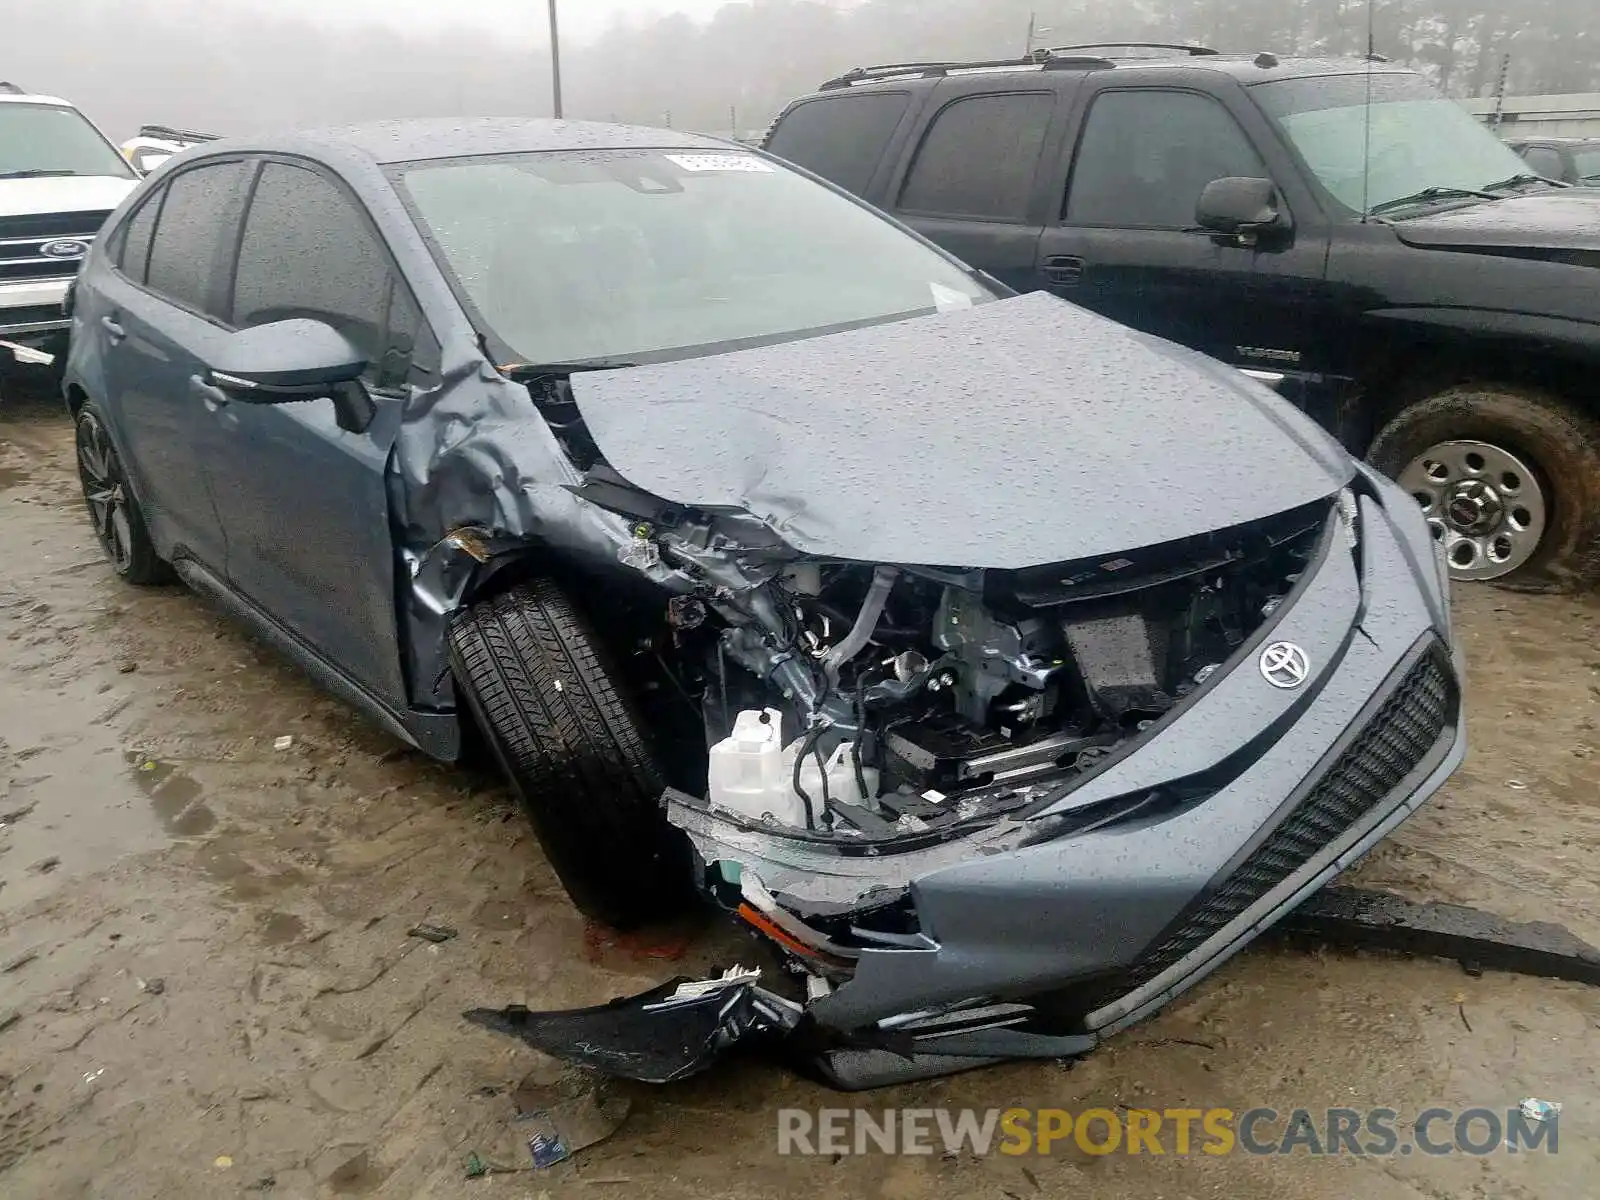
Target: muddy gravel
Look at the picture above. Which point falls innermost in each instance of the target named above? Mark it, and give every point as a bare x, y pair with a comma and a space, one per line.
207, 987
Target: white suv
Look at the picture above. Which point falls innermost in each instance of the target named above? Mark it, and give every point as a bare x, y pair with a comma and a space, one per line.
60, 177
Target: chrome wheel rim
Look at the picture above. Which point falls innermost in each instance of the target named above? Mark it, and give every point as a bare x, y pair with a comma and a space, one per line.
1483, 503
103, 491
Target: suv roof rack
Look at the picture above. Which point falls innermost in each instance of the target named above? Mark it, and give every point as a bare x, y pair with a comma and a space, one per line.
1056, 58
10, 88
1047, 60
1185, 48
168, 133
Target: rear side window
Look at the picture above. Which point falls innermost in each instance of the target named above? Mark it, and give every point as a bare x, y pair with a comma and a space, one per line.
137, 234
1545, 161
979, 157
194, 235
308, 251
840, 138
1145, 157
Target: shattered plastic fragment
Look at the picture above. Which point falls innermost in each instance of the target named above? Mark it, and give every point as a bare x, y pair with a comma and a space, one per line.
668, 1033
641, 554
1540, 1110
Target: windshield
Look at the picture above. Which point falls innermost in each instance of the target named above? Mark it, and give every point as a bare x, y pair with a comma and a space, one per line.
654, 254
1419, 139
48, 139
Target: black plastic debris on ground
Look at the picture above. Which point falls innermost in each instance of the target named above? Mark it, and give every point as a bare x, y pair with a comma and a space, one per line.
1371, 920
668, 1033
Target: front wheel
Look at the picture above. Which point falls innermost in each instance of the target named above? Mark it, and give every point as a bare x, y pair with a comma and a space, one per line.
1509, 480
537, 678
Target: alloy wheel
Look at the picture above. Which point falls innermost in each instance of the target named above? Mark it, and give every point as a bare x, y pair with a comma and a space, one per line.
104, 492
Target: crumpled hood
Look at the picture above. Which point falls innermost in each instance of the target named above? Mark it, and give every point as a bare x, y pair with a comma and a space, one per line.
1016, 433
1568, 219
62, 194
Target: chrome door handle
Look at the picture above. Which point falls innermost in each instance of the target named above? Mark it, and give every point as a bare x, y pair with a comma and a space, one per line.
115, 331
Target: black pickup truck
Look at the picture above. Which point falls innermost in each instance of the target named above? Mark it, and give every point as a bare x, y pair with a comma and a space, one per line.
1337, 228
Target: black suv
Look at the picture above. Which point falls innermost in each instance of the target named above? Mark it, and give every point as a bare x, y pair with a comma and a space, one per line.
1336, 226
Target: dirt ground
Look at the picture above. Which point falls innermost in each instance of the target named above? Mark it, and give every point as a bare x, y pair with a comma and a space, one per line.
207, 987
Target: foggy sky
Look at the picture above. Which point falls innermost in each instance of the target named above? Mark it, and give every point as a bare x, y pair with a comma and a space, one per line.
243, 66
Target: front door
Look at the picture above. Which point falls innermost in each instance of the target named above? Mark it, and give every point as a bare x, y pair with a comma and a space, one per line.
1125, 242
304, 502
154, 313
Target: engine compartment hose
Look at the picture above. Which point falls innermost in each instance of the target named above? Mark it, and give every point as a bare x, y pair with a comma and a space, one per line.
860, 634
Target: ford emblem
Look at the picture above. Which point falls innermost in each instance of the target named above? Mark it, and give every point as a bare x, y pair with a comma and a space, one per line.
64, 248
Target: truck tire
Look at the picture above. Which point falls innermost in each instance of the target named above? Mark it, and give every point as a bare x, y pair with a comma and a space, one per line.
114, 512
1509, 478
535, 677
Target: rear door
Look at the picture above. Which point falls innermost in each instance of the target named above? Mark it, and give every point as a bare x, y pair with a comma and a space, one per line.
1124, 242
974, 182
304, 503
157, 318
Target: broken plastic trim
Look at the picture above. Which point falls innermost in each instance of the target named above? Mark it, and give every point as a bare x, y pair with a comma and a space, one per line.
668, 1033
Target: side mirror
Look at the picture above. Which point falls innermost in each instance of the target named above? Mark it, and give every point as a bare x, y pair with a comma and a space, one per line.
1240, 207
298, 359
286, 360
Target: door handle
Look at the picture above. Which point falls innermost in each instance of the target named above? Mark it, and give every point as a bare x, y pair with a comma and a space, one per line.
113, 330
1065, 270
210, 395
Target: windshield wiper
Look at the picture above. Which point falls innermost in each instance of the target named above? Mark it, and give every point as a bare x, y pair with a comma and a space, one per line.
1525, 178
35, 173
524, 372
1432, 193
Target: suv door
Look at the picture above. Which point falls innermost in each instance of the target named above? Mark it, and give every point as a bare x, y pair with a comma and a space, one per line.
155, 317
973, 183
1124, 241
303, 501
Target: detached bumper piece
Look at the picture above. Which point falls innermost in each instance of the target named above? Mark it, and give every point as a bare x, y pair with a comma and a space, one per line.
668, 1033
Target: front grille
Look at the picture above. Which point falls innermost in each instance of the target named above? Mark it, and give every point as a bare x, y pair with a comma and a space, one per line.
23, 238
1399, 736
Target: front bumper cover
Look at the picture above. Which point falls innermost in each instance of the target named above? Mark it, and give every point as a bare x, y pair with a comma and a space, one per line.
1068, 939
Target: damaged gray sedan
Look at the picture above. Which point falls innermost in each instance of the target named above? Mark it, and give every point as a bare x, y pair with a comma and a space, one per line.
1006, 669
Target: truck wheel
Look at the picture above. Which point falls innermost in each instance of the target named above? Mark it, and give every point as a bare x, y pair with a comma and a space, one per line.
118, 522
535, 677
1509, 479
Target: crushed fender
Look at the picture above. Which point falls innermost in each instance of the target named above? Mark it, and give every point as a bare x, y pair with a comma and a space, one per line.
668, 1033
1373, 920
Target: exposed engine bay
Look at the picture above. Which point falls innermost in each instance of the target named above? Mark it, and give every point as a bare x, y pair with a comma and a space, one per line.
871, 703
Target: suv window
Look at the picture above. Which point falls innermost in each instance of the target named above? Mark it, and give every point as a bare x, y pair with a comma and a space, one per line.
978, 158
194, 235
133, 248
308, 251
840, 138
1545, 161
1145, 157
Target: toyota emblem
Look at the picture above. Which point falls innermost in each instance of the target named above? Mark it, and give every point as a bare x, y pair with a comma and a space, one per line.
1285, 665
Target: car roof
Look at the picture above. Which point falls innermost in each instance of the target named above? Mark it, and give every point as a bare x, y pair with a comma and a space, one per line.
26, 98
1248, 69
434, 138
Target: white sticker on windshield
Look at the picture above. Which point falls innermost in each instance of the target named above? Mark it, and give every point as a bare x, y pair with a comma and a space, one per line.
721, 162
948, 299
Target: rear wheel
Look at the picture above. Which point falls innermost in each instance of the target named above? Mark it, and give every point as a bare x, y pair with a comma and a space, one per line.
1509, 480
536, 678
118, 521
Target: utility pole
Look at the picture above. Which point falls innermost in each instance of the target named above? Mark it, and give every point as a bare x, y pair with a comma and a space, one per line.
1500, 93
555, 60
